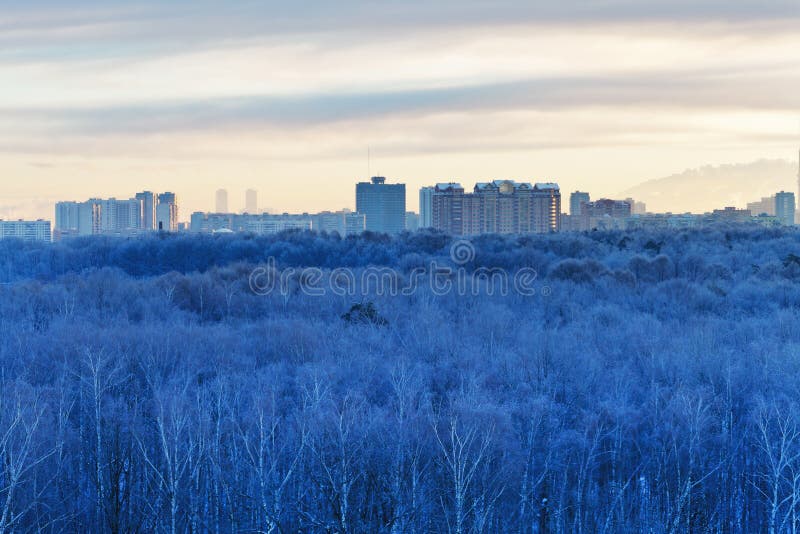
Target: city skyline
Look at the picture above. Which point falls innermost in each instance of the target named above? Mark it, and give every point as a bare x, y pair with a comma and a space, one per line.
497, 207
277, 98
250, 200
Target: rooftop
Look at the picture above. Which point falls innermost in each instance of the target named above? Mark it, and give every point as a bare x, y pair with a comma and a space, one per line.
547, 186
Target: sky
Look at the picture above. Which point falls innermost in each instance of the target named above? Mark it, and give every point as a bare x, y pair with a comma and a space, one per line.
101, 99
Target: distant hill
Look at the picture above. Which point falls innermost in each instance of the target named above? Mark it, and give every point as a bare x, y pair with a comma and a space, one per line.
714, 186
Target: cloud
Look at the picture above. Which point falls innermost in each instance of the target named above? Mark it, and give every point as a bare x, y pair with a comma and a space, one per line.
708, 90
85, 29
250, 17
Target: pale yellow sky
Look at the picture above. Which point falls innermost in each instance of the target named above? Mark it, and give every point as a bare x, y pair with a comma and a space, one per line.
107, 102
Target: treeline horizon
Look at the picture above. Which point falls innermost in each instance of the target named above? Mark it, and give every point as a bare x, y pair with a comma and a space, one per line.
652, 388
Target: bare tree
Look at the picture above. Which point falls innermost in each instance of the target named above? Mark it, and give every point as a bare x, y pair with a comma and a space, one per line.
337, 447
274, 450
22, 450
779, 447
177, 448
100, 373
464, 451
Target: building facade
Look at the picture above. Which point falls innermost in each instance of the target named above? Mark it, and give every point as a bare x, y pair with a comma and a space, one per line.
38, 230
167, 212
604, 214
765, 206
222, 201
500, 206
78, 218
329, 222
67, 218
412, 221
273, 224
201, 222
447, 206
785, 208
342, 222
145, 212
121, 217
383, 205
637, 208
251, 201
570, 223
546, 206
730, 214
354, 223
426, 207
662, 221
575, 200
148, 200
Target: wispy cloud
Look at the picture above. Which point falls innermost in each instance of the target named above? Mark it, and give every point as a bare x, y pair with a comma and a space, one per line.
667, 90
206, 19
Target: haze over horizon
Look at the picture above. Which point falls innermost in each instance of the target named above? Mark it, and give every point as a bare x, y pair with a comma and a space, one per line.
106, 99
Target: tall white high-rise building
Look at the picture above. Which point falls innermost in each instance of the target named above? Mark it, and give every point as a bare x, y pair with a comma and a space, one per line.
383, 205
222, 201
120, 216
426, 207
148, 200
78, 218
167, 213
546, 208
784, 208
67, 217
576, 198
251, 201
95, 216
497, 207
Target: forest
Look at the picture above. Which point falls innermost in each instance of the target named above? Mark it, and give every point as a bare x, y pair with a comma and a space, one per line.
648, 384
